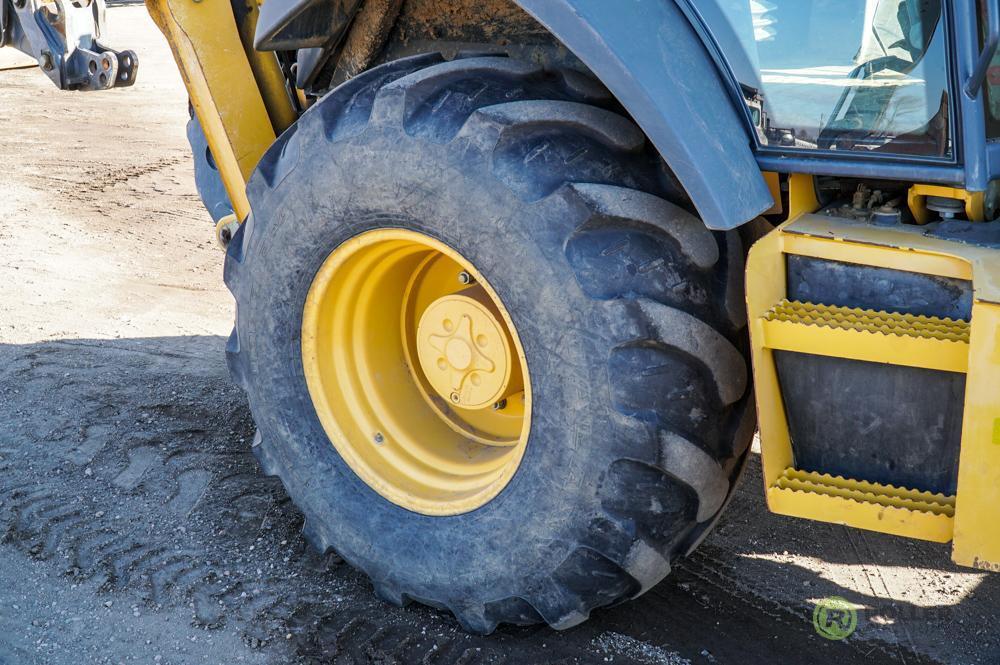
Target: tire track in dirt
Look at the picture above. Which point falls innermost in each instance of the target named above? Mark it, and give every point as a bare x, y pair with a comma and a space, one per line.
131, 484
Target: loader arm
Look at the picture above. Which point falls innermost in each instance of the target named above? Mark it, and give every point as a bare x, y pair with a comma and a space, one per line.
238, 94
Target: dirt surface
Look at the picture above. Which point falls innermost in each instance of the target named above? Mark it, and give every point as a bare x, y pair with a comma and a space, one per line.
135, 525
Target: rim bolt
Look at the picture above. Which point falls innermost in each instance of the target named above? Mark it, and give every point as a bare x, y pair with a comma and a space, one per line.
465, 278
500, 406
455, 398
379, 439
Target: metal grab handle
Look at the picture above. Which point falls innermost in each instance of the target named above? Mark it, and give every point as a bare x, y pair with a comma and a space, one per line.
989, 49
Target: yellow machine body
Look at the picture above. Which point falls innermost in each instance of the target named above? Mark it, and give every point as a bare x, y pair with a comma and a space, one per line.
238, 94
777, 323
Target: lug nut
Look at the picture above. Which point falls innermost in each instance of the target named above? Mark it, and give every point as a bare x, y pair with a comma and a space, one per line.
500, 406
465, 278
379, 439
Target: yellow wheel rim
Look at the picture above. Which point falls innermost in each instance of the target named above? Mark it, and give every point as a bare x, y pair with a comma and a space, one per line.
416, 372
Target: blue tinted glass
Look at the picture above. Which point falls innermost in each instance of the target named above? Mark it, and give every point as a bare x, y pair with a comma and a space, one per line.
861, 75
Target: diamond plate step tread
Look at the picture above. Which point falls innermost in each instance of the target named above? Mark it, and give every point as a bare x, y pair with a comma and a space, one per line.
866, 492
866, 320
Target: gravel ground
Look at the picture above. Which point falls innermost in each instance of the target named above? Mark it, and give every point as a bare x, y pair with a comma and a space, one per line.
135, 526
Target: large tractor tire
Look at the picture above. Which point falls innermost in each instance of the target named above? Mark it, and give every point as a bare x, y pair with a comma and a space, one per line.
494, 366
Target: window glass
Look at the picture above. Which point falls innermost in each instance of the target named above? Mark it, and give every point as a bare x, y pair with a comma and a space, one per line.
858, 75
992, 83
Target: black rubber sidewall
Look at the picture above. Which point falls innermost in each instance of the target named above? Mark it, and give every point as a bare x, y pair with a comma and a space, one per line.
383, 179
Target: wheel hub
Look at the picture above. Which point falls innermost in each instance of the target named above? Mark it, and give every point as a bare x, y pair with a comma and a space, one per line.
416, 372
463, 351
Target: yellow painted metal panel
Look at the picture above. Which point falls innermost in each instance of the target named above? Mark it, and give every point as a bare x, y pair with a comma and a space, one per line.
865, 346
802, 196
765, 286
922, 525
917, 200
855, 318
900, 248
211, 57
773, 181
271, 81
970, 518
880, 337
858, 253
977, 514
864, 491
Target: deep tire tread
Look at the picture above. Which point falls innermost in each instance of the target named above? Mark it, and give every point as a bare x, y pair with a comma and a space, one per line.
668, 288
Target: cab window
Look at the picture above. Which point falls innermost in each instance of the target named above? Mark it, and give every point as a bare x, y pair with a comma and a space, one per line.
840, 75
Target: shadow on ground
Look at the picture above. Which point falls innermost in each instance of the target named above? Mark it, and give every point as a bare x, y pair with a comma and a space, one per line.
125, 472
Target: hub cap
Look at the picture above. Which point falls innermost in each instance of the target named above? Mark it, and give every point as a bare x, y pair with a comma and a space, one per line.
464, 351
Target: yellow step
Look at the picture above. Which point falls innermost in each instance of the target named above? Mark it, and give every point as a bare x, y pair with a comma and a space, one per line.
863, 504
859, 334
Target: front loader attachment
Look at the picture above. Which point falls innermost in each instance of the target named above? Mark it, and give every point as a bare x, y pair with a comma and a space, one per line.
63, 37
